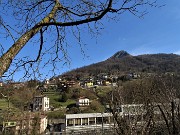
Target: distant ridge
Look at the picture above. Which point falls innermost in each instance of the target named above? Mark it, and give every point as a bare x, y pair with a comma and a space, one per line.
122, 62
120, 54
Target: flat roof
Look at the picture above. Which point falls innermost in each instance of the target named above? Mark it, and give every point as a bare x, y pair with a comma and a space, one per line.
87, 115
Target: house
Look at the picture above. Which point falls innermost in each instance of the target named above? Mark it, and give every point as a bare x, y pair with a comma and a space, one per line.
64, 85
43, 123
134, 75
17, 85
114, 84
50, 83
47, 81
106, 83
32, 123
89, 84
132, 109
71, 83
98, 82
82, 101
40, 103
27, 123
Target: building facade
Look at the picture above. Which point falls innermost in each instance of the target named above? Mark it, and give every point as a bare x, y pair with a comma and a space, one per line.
82, 101
88, 122
40, 103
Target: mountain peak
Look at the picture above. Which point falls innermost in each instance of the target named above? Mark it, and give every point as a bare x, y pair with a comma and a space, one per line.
120, 54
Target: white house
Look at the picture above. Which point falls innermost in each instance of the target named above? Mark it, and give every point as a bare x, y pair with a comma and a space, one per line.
82, 101
40, 103
47, 81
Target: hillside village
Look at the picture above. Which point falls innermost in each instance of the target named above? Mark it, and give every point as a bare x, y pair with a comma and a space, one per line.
73, 104
52, 101
121, 94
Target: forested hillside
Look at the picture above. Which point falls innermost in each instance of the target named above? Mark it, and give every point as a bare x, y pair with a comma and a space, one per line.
122, 62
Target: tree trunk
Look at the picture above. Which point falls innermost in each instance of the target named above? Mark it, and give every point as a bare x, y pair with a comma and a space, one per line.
6, 59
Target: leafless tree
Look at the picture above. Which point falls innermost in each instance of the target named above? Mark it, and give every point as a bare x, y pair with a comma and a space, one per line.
167, 95
47, 25
158, 98
131, 109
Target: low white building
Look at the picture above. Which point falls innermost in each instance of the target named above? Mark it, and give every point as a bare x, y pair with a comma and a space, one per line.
40, 103
88, 121
82, 101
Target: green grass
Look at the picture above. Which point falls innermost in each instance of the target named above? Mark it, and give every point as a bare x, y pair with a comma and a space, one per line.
102, 91
55, 101
56, 114
68, 102
3, 104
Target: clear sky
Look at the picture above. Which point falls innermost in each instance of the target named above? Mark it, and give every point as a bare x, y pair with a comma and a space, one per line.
157, 32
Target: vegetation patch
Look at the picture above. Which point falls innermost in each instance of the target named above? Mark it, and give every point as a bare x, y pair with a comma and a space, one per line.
3, 104
56, 114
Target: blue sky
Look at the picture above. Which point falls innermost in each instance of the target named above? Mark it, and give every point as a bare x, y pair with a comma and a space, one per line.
157, 32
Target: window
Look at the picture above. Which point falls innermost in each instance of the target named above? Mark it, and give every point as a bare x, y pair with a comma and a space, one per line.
70, 122
85, 121
106, 120
46, 104
99, 120
78, 121
91, 121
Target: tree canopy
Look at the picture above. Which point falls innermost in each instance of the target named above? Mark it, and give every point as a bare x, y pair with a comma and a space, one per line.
47, 24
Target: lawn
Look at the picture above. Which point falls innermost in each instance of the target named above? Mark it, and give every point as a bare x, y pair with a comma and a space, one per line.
3, 104
103, 91
68, 102
55, 101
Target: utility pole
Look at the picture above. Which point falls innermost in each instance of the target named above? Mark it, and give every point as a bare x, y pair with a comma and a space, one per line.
102, 124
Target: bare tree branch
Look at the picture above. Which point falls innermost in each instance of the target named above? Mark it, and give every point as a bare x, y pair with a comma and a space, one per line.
58, 17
